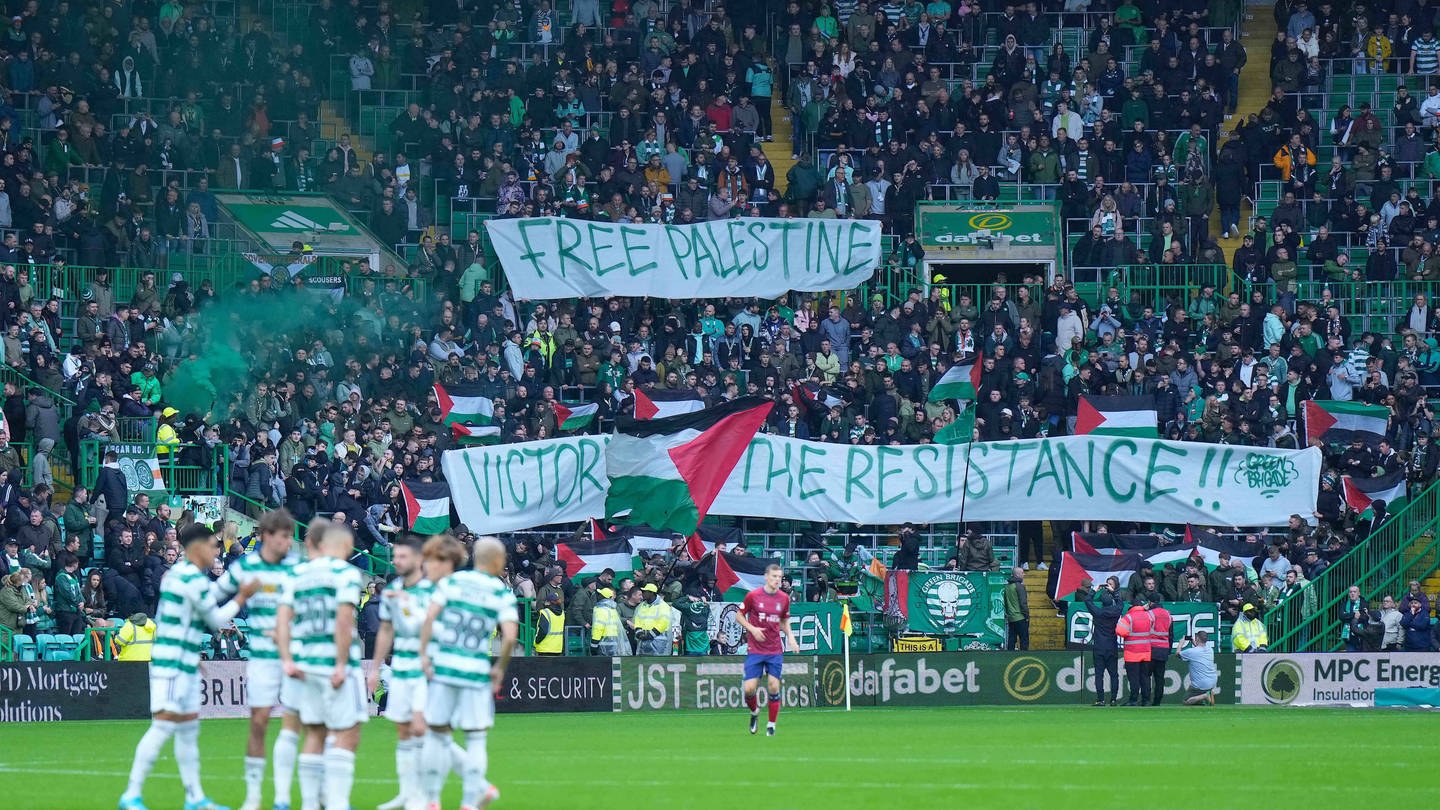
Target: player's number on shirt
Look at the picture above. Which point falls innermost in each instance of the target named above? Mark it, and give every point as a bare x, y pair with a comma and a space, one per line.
312, 616
464, 631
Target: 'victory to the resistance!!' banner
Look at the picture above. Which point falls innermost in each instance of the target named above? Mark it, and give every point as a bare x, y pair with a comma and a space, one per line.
552, 257
508, 487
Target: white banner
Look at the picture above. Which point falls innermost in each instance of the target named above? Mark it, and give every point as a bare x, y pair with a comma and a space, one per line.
1332, 679
552, 257
509, 487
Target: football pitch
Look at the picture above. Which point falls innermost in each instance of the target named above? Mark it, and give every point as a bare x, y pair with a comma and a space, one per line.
822, 758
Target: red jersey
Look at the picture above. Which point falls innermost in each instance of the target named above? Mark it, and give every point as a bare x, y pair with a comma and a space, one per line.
769, 612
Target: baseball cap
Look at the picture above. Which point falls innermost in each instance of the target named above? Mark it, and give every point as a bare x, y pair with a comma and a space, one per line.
650, 588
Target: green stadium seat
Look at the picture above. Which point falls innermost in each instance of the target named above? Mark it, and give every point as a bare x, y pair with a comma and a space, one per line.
25, 648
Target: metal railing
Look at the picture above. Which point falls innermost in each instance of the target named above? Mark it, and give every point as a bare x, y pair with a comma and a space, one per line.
1405, 547
178, 478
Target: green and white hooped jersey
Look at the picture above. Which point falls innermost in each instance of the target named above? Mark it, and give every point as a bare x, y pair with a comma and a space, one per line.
181, 621
405, 609
275, 580
320, 587
472, 606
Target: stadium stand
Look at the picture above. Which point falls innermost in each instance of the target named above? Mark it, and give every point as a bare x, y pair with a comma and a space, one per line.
143, 317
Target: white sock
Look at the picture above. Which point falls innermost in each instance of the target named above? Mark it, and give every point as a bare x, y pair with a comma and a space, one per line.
254, 779
187, 754
146, 752
434, 764
339, 778
287, 747
405, 753
474, 773
312, 777
457, 756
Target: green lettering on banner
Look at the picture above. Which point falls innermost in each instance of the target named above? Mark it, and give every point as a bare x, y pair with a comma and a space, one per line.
574, 481
808, 449
530, 255
852, 248
829, 249
626, 232
934, 488
521, 498
671, 231
596, 245
884, 452
1048, 460
700, 248
567, 252
564, 480
852, 481
731, 226
760, 256
1115, 446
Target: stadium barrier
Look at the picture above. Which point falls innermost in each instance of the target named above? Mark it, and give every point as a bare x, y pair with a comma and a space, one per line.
1188, 617
73, 690
1333, 679
65, 690
986, 679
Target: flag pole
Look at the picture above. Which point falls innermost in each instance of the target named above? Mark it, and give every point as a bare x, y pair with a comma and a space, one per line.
845, 631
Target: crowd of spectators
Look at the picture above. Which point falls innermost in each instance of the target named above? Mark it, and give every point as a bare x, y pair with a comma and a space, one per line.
664, 113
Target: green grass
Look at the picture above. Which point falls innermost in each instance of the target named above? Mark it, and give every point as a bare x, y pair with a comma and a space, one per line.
873, 758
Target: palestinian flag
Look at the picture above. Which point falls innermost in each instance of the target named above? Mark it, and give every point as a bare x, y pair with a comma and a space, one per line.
1074, 568
661, 403
1360, 493
463, 404
1110, 543
582, 559
1209, 546
704, 540
962, 430
666, 473
475, 434
960, 381
1117, 416
740, 574
427, 506
822, 396
574, 417
642, 539
1332, 422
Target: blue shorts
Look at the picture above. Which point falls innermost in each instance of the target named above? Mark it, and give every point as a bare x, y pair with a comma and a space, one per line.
757, 665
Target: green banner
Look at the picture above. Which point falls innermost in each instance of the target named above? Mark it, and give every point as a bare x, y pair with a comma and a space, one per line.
970, 604
816, 626
1007, 228
985, 679
702, 682
141, 468
1188, 616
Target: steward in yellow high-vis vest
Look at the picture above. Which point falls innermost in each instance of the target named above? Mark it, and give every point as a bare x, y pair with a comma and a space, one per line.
165, 435
136, 638
607, 633
652, 623
550, 630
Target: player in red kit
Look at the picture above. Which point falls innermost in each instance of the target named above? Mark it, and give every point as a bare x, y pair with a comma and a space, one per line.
765, 615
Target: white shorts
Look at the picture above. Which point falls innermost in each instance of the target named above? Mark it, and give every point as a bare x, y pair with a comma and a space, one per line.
264, 683
174, 692
319, 704
405, 698
467, 708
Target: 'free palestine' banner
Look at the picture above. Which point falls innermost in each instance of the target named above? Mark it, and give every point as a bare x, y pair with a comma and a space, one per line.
518, 486
552, 257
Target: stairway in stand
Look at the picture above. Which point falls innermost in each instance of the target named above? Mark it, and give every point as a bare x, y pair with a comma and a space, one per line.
1047, 631
780, 149
1257, 33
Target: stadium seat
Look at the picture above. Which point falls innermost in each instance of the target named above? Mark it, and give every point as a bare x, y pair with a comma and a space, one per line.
25, 648
45, 643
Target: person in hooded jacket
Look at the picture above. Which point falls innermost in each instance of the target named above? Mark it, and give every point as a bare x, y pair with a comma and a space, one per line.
1105, 612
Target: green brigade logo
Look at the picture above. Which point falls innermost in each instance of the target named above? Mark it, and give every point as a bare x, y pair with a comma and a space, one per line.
832, 684
1027, 678
1281, 680
990, 222
948, 601
1268, 474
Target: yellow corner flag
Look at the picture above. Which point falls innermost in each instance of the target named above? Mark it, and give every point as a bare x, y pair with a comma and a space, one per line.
845, 619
